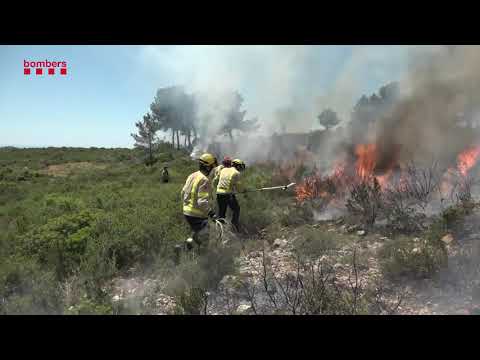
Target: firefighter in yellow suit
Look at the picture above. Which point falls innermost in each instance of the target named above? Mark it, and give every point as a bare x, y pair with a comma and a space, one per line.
226, 163
229, 184
196, 195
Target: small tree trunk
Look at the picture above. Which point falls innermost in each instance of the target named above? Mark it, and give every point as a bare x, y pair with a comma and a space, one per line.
173, 138
178, 140
194, 133
150, 155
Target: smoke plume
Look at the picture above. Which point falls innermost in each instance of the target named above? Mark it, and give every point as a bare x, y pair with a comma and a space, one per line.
443, 88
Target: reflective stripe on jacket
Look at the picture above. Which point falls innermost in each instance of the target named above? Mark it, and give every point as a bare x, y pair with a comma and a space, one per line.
195, 195
229, 181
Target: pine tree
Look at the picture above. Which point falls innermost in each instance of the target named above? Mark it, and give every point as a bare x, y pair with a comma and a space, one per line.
146, 137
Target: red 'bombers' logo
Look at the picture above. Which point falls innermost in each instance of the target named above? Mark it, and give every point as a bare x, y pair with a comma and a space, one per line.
51, 67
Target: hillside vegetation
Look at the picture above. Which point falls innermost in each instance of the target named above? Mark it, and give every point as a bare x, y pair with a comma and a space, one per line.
73, 219
93, 231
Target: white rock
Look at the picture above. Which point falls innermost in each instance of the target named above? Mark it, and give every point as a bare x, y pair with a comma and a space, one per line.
361, 232
279, 243
352, 228
116, 298
243, 308
228, 280
448, 239
277, 252
246, 272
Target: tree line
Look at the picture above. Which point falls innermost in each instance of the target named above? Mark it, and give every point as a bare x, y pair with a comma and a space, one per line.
187, 117
367, 109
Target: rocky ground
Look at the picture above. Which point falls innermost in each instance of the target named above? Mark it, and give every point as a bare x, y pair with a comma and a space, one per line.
420, 297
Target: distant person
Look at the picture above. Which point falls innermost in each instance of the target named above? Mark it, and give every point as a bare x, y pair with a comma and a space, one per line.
228, 184
165, 175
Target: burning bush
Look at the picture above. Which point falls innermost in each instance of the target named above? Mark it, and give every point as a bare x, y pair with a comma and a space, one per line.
371, 182
405, 200
365, 200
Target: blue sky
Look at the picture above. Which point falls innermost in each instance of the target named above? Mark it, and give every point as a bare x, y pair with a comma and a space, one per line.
108, 88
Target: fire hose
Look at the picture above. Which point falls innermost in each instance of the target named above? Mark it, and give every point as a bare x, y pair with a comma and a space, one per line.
283, 187
219, 224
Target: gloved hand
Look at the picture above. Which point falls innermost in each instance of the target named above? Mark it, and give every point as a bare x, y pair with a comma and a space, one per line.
212, 215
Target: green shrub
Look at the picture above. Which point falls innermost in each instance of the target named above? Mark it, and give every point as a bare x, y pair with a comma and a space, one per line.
295, 215
193, 278
10, 192
58, 204
313, 243
453, 217
26, 289
61, 242
413, 257
97, 266
164, 157
256, 213
191, 301
6, 174
87, 306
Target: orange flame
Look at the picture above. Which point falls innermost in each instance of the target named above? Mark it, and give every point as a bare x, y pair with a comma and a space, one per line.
446, 186
334, 186
310, 189
366, 160
467, 159
383, 179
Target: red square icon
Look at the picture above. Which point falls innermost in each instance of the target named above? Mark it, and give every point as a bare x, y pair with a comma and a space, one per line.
39, 71
51, 71
63, 71
26, 71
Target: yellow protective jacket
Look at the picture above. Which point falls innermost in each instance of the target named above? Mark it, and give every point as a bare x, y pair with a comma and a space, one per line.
229, 181
216, 174
196, 195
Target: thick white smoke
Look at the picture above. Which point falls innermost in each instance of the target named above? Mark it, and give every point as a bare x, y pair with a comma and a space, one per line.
303, 80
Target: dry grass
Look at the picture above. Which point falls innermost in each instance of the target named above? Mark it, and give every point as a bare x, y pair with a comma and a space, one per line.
72, 167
